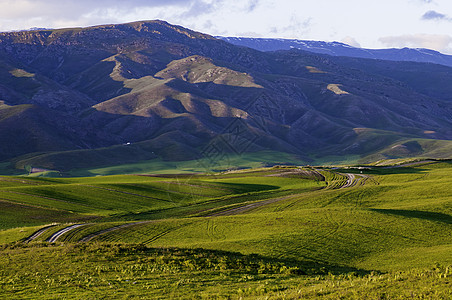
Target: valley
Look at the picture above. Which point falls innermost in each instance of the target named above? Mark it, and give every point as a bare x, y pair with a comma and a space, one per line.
148, 160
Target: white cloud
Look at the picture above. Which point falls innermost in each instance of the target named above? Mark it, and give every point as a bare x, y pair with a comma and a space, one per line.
22, 14
198, 8
303, 19
73, 9
442, 43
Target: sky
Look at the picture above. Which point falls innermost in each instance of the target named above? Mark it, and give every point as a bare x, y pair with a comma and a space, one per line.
360, 23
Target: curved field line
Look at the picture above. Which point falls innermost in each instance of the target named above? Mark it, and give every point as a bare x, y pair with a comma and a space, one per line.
350, 180
43, 197
334, 183
202, 185
319, 174
13, 202
319, 238
165, 190
331, 230
248, 207
212, 231
101, 232
38, 233
59, 233
165, 232
127, 193
157, 236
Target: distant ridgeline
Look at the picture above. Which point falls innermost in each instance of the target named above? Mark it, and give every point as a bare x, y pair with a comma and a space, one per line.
341, 49
119, 94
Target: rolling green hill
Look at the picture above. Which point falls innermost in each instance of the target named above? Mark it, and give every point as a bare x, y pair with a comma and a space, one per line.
284, 231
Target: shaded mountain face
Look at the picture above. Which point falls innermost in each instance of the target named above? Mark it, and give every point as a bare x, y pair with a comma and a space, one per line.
341, 49
180, 95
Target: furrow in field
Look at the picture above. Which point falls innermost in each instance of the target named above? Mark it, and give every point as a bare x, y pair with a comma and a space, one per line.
38, 233
127, 193
59, 233
157, 236
96, 234
315, 171
212, 231
248, 207
14, 202
43, 197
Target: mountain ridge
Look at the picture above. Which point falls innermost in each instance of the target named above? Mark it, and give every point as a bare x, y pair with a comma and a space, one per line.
342, 49
179, 94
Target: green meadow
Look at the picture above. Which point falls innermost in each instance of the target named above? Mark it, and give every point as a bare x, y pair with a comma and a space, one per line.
280, 232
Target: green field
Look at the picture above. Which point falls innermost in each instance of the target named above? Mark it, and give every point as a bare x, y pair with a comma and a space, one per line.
279, 232
112, 161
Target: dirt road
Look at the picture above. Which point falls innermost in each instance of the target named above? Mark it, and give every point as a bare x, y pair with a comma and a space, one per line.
59, 233
37, 233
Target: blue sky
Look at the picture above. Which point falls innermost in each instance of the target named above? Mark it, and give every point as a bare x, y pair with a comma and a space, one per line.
369, 24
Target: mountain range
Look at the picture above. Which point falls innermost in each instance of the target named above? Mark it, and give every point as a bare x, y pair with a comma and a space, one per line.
116, 94
341, 49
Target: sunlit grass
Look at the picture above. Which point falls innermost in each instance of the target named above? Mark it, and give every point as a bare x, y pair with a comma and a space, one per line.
396, 223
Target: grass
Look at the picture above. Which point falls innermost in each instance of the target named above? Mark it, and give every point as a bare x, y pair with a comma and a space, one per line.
122, 159
159, 166
76, 199
411, 149
137, 158
44, 271
390, 236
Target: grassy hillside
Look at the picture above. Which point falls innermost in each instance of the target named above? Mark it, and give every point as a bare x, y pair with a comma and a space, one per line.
135, 196
138, 159
135, 272
281, 232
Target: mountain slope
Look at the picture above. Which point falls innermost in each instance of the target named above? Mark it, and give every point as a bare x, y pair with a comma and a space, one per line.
182, 94
30, 128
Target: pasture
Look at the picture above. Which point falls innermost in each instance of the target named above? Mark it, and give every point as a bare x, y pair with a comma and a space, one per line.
317, 231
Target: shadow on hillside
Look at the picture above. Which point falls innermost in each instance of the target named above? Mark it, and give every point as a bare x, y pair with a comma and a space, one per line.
98, 83
202, 259
248, 187
210, 259
254, 261
384, 170
419, 214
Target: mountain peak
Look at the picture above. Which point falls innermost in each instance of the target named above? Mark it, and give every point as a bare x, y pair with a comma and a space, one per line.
110, 34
